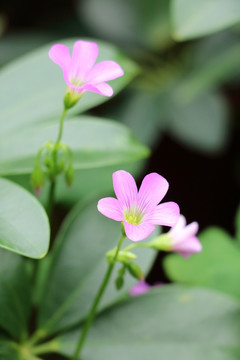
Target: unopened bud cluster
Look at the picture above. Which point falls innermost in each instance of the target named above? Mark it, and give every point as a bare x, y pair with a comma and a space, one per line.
125, 258
52, 160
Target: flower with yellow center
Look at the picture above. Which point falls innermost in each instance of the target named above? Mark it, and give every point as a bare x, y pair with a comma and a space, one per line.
139, 210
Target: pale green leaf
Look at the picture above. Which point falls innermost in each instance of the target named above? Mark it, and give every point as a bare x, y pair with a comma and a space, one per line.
87, 183
202, 124
24, 227
192, 19
146, 23
169, 323
94, 142
216, 60
15, 295
237, 225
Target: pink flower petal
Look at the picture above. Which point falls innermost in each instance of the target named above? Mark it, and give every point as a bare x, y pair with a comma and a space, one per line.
125, 188
140, 288
138, 232
153, 188
102, 89
191, 229
180, 224
190, 246
180, 234
110, 207
59, 54
165, 214
104, 71
84, 55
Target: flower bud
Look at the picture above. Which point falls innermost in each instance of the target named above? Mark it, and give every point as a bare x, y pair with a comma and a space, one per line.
161, 242
135, 271
37, 179
69, 176
60, 166
119, 282
123, 256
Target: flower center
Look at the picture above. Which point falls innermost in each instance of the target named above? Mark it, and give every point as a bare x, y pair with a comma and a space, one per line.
133, 217
76, 81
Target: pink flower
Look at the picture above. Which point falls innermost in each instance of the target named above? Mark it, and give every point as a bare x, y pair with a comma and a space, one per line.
183, 238
142, 287
139, 210
79, 71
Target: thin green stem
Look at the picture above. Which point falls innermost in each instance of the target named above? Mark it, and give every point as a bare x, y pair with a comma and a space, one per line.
61, 126
45, 348
36, 337
54, 154
133, 246
51, 198
92, 312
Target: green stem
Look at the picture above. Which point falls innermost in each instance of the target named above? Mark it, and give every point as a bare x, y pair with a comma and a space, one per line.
61, 126
36, 337
51, 198
133, 246
45, 348
98, 297
53, 181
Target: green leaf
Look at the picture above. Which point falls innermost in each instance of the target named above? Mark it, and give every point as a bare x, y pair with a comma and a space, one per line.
142, 114
216, 267
94, 143
216, 59
78, 267
87, 183
192, 19
7, 349
170, 323
145, 23
19, 43
15, 295
237, 225
202, 124
24, 225
10, 350
154, 23
34, 87
94, 182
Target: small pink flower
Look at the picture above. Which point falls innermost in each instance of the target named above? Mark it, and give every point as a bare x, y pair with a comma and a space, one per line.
140, 288
80, 73
183, 238
139, 210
